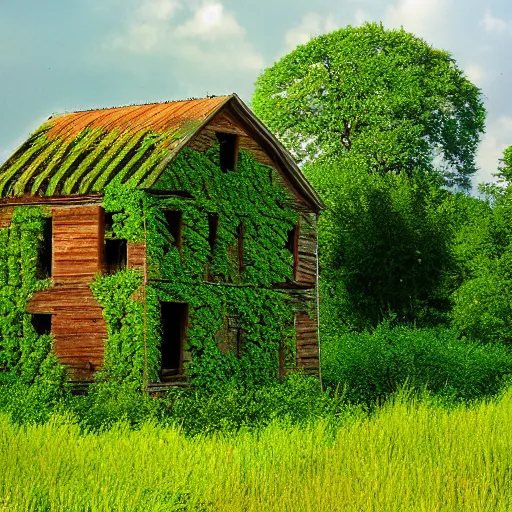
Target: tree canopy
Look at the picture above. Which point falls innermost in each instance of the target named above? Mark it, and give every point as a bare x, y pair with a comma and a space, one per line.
384, 94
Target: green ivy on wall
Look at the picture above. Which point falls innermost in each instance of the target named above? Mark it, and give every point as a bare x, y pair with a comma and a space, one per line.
24, 355
207, 279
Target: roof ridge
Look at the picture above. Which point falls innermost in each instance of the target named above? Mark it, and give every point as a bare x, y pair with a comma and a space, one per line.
212, 97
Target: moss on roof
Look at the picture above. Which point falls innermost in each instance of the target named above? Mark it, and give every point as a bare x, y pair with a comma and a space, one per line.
80, 153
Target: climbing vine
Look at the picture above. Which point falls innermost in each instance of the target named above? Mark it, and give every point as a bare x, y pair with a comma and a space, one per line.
24, 355
236, 318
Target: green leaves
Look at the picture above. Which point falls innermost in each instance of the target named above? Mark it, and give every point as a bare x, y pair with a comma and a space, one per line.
27, 356
209, 281
384, 94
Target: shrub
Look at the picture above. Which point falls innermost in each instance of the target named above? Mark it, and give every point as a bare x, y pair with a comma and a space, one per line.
298, 400
29, 403
372, 365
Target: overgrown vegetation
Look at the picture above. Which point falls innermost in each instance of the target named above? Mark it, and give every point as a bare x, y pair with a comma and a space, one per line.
25, 355
207, 278
415, 294
408, 456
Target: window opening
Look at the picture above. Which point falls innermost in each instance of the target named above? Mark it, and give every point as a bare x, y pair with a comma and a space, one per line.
44, 257
116, 254
173, 220
42, 323
228, 143
109, 222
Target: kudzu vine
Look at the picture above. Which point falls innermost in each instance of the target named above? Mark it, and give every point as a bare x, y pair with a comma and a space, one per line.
24, 355
204, 277
205, 274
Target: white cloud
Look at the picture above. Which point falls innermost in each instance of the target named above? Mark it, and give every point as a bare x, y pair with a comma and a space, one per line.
157, 9
311, 25
493, 25
498, 136
475, 73
417, 16
361, 17
209, 35
139, 38
210, 22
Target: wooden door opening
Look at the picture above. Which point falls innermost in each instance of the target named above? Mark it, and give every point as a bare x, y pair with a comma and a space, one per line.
174, 318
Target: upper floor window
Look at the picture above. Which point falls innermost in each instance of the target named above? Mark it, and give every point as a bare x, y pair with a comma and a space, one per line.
213, 226
44, 256
228, 143
115, 252
174, 221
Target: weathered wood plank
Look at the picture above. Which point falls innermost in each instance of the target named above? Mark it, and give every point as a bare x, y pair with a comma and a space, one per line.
136, 255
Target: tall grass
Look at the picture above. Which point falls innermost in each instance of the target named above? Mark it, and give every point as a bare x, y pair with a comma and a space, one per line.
409, 455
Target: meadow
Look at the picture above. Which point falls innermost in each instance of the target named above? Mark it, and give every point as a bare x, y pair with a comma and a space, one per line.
410, 454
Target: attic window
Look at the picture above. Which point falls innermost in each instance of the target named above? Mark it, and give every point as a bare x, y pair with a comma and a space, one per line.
292, 245
116, 254
44, 256
228, 143
173, 220
213, 226
42, 323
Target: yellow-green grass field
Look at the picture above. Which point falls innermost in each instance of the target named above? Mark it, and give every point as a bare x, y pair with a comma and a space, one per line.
408, 456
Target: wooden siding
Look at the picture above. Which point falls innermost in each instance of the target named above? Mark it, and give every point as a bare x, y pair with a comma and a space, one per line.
136, 255
6, 216
307, 343
223, 123
78, 326
307, 250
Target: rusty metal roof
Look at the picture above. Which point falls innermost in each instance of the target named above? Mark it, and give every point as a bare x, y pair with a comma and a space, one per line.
157, 117
82, 152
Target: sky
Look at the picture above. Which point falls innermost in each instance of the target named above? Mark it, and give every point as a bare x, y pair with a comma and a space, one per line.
63, 55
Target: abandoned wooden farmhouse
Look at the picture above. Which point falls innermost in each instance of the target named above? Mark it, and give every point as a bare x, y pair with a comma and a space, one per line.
162, 242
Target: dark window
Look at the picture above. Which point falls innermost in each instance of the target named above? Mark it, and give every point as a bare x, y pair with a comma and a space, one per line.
228, 150
42, 323
109, 222
240, 245
213, 226
174, 317
115, 254
44, 257
292, 244
174, 221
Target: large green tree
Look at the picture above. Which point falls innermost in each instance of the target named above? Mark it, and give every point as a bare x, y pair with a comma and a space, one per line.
384, 246
384, 94
483, 249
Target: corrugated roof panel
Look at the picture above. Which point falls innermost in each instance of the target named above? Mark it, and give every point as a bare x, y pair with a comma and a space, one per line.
82, 152
90, 148
158, 117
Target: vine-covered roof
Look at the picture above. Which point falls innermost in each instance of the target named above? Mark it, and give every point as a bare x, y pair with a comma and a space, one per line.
81, 152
